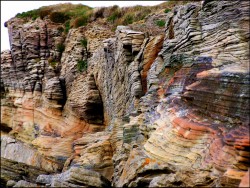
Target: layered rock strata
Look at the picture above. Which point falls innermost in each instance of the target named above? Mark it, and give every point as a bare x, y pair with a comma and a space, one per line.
150, 111
37, 105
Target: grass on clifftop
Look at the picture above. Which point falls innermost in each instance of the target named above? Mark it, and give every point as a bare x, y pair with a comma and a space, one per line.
76, 15
61, 13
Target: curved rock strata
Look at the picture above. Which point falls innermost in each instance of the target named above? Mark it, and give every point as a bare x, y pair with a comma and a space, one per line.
150, 110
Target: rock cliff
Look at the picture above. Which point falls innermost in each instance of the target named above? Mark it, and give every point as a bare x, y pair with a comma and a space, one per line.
150, 109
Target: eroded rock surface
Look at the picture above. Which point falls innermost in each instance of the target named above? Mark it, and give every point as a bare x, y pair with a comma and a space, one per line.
151, 110
74, 177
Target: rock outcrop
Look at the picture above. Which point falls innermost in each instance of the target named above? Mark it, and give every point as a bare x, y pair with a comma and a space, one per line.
151, 109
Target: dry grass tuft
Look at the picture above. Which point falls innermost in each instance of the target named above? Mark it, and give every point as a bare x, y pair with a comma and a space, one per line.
76, 15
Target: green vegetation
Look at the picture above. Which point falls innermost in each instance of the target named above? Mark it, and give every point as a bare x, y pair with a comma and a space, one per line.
67, 26
52, 62
33, 14
82, 65
129, 18
76, 15
114, 16
58, 17
61, 13
125, 15
167, 10
140, 15
80, 21
44, 12
160, 23
77, 10
60, 47
84, 42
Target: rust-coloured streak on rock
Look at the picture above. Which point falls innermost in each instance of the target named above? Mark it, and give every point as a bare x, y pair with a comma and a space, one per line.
150, 53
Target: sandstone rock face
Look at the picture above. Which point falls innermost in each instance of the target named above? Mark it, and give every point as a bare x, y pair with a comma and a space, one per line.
19, 160
150, 53
149, 26
20, 183
117, 63
151, 110
85, 100
37, 106
74, 177
75, 50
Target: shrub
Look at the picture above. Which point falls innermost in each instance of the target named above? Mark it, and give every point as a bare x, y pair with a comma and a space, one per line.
167, 10
77, 10
140, 15
34, 17
114, 7
138, 7
80, 21
99, 13
84, 42
60, 47
67, 26
44, 12
128, 19
59, 13
29, 14
52, 62
82, 65
58, 17
160, 23
114, 16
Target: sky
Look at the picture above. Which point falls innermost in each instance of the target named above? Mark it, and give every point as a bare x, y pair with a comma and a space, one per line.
10, 8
